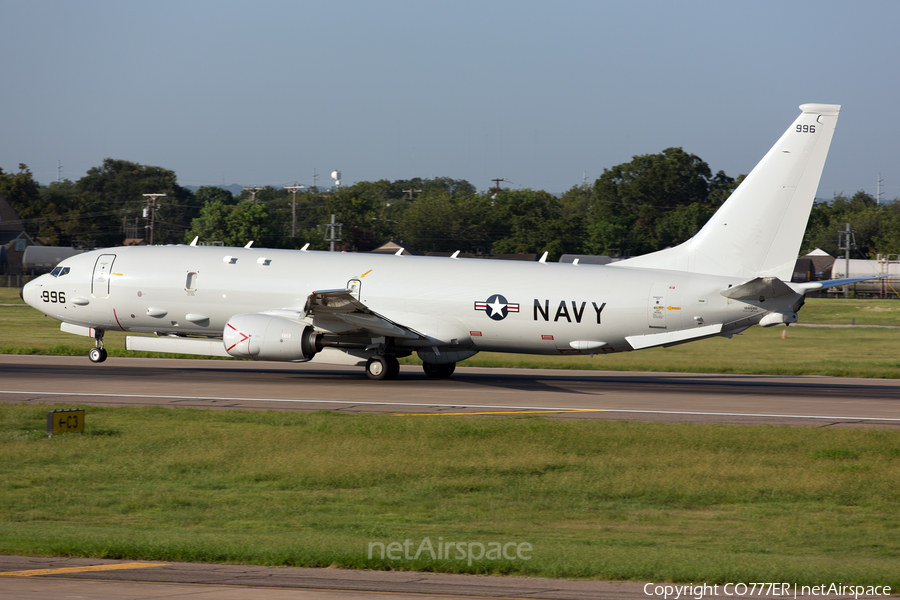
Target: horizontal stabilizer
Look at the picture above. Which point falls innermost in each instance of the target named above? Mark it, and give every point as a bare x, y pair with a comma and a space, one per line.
812, 286
759, 289
670, 338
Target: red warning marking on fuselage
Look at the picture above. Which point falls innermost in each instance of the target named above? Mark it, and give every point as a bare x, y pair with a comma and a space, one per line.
117, 320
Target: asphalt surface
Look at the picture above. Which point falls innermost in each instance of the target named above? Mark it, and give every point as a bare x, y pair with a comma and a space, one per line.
481, 393
665, 397
98, 579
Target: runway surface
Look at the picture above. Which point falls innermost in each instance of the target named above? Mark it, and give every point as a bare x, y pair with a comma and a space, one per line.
665, 397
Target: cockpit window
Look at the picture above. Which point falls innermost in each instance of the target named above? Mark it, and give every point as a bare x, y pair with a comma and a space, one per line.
65, 271
59, 271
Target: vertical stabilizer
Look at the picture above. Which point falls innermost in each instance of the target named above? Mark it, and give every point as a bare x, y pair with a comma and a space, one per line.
757, 232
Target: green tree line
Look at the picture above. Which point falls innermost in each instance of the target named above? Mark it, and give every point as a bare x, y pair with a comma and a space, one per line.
652, 202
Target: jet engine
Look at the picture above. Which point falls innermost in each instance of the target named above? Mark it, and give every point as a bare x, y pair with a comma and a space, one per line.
267, 337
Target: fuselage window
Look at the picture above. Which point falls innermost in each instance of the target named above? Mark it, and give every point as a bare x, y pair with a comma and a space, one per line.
191, 283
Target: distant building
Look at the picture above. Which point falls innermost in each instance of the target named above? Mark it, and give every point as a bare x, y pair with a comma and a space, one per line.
814, 266
391, 247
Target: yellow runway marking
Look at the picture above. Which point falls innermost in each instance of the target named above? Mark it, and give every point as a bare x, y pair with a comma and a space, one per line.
505, 412
35, 572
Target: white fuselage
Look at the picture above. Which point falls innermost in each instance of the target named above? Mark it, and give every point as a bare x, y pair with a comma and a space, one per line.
480, 305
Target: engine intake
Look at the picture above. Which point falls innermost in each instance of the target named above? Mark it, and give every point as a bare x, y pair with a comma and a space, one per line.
266, 337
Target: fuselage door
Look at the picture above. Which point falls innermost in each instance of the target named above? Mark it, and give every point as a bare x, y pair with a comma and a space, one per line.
354, 285
102, 272
656, 307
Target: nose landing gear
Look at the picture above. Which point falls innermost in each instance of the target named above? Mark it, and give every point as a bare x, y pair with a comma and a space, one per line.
97, 354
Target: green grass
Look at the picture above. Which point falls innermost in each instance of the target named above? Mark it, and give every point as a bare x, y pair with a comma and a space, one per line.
595, 499
843, 352
842, 312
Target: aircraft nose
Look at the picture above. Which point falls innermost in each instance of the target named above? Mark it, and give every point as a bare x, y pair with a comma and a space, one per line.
26, 292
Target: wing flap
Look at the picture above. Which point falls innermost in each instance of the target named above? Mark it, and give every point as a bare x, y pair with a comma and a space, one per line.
333, 301
377, 324
344, 306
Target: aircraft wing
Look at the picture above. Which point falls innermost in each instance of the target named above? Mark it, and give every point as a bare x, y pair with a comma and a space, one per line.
345, 307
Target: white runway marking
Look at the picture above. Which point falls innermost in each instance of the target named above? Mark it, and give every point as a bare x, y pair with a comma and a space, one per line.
544, 408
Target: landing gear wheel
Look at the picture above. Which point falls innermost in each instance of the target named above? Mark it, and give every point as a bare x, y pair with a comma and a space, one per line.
97, 355
378, 367
383, 366
438, 371
393, 367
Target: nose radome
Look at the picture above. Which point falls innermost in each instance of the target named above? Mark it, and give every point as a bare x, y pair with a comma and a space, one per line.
26, 292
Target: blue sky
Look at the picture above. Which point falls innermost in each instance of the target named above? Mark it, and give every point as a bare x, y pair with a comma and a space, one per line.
264, 92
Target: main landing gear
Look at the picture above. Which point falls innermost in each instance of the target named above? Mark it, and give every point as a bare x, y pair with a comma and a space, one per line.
97, 354
383, 366
438, 371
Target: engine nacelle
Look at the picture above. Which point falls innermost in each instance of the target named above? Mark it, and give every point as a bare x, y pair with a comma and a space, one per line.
266, 337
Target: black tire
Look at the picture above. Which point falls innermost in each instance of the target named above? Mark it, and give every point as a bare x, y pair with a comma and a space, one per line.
393, 367
438, 371
378, 368
97, 355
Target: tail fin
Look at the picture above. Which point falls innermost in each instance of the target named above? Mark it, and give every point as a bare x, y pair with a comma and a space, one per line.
757, 232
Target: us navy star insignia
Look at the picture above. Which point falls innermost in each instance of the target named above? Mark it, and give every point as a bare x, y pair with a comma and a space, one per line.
497, 307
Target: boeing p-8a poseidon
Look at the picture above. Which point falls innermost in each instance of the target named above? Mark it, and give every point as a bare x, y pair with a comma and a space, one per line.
366, 309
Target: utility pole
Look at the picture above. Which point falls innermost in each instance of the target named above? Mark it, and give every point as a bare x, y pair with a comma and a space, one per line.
151, 209
294, 189
332, 232
878, 191
59, 171
846, 242
253, 191
410, 192
497, 181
